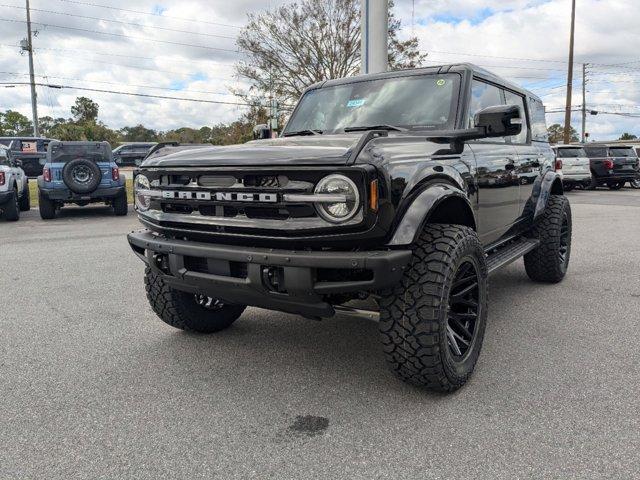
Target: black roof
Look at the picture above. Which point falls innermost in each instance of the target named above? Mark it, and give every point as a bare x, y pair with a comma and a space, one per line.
430, 70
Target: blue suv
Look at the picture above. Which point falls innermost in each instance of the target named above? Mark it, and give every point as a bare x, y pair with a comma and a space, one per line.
80, 173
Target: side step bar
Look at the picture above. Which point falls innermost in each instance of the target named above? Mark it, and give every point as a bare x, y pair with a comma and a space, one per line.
504, 255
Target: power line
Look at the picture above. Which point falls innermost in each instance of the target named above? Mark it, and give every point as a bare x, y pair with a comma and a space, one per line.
494, 56
149, 13
118, 21
120, 35
164, 97
151, 87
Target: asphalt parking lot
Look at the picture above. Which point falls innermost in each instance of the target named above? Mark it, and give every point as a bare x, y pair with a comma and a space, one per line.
95, 386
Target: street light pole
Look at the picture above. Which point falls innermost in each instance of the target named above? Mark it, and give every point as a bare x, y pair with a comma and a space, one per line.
375, 33
34, 98
567, 115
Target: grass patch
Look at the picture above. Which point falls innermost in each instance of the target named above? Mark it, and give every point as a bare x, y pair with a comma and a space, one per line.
33, 189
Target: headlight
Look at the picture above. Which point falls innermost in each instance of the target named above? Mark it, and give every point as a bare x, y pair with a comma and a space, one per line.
339, 211
141, 189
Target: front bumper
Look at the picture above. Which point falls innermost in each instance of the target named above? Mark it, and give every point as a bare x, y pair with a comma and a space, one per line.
65, 195
241, 275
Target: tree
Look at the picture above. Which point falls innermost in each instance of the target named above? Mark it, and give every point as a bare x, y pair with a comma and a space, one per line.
14, 124
556, 134
299, 44
139, 133
85, 110
628, 136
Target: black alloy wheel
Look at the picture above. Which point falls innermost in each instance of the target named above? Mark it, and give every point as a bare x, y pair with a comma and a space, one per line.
464, 305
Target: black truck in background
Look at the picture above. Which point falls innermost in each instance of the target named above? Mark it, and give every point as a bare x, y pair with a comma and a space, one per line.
613, 165
393, 194
31, 151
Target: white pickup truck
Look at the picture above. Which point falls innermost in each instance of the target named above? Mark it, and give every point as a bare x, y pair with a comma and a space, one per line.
14, 187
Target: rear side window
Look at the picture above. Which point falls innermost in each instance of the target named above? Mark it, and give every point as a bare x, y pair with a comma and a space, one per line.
539, 131
4, 159
515, 99
571, 152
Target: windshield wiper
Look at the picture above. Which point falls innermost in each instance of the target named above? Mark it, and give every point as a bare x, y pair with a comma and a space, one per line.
302, 132
375, 127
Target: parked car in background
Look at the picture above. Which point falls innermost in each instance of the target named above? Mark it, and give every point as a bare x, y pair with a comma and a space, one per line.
14, 186
573, 165
31, 151
80, 173
613, 165
132, 154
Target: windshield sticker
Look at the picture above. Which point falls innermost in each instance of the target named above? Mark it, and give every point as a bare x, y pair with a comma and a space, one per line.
441, 82
358, 102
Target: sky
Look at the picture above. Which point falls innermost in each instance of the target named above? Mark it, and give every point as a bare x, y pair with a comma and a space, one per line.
187, 49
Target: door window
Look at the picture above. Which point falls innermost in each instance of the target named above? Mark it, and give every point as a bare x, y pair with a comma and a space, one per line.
484, 95
518, 100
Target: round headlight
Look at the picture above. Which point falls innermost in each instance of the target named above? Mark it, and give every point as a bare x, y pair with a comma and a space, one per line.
141, 189
339, 211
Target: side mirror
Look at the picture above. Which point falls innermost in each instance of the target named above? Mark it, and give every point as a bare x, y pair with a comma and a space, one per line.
261, 132
499, 121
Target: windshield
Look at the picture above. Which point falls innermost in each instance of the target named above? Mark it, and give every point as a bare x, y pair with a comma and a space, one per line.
622, 152
416, 102
571, 152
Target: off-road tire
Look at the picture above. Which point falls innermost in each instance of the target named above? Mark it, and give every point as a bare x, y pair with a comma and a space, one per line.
180, 310
25, 200
11, 208
544, 263
568, 187
615, 185
47, 207
120, 207
414, 315
635, 184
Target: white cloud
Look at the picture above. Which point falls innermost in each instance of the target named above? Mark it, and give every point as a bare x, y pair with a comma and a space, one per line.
607, 33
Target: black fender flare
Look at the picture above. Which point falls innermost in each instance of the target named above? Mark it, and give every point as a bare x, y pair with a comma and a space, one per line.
543, 190
422, 207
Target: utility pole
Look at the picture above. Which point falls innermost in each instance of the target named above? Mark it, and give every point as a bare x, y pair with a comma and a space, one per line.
567, 115
584, 101
28, 46
375, 34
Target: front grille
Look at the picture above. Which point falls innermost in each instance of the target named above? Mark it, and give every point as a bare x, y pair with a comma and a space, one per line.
228, 200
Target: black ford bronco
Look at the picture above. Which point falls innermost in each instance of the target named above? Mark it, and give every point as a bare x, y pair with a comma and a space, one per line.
399, 189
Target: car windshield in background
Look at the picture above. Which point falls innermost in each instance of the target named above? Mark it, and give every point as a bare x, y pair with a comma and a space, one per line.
622, 152
571, 152
415, 102
5, 142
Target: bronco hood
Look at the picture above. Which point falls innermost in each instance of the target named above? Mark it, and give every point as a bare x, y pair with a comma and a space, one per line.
303, 150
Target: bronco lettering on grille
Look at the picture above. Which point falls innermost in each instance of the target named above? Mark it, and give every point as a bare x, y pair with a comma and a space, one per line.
221, 196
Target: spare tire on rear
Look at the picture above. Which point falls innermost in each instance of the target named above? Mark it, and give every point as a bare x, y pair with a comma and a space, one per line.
81, 175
